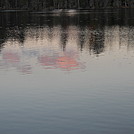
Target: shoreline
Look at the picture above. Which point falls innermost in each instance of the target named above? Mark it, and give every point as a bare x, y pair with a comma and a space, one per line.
12, 10
60, 11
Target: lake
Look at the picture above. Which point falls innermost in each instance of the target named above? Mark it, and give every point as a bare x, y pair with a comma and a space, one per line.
70, 73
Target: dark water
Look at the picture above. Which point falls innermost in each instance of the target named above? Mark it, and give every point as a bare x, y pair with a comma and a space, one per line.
67, 73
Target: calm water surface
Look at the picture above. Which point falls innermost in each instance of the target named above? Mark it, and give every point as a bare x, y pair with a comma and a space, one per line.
67, 73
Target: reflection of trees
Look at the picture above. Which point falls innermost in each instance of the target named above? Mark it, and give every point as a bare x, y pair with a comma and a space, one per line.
11, 27
16, 34
92, 39
119, 37
98, 45
81, 38
64, 36
3, 38
131, 38
126, 35
43, 42
90, 28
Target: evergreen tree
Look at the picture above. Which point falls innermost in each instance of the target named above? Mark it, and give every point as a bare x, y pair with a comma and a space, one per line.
64, 4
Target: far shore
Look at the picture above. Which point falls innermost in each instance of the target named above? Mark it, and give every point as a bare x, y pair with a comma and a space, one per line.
12, 10
58, 11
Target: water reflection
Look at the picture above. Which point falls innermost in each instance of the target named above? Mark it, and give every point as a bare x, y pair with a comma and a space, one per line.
68, 61
78, 73
58, 44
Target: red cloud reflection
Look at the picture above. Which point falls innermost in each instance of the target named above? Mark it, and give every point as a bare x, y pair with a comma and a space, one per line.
11, 57
68, 61
48, 61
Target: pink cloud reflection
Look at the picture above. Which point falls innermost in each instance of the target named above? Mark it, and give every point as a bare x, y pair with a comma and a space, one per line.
66, 61
69, 61
11, 57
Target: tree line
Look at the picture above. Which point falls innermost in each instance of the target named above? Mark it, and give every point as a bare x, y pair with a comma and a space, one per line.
64, 4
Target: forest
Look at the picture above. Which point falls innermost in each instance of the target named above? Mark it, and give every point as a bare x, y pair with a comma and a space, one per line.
41, 5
